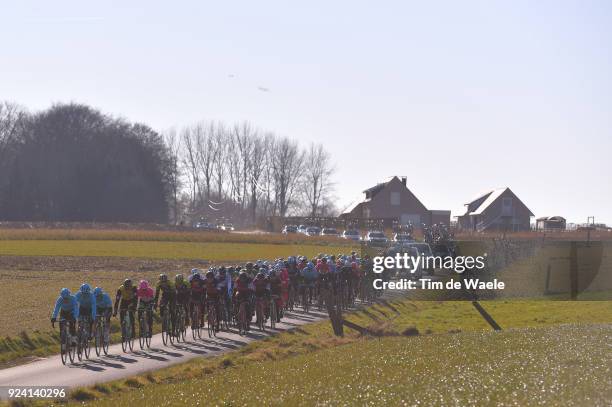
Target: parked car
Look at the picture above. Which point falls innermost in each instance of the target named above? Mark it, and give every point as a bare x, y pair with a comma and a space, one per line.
302, 229
228, 227
289, 229
406, 273
313, 231
424, 250
351, 234
402, 238
376, 238
329, 232
205, 226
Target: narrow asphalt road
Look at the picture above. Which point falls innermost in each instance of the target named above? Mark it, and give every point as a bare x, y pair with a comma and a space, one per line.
117, 365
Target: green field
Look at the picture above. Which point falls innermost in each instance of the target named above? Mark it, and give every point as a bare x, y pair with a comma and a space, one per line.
214, 252
452, 343
568, 365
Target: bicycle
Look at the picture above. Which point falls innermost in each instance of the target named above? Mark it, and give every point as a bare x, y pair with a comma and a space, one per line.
305, 300
181, 328
102, 340
83, 337
167, 328
144, 329
273, 311
67, 350
127, 340
224, 313
212, 318
242, 317
195, 321
260, 314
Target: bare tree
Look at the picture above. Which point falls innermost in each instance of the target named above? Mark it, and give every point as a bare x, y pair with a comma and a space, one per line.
190, 162
316, 180
206, 152
287, 164
220, 152
173, 145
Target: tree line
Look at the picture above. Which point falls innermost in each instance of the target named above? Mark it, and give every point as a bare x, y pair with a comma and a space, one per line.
73, 163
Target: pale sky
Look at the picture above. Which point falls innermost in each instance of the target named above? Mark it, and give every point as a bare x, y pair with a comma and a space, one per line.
458, 96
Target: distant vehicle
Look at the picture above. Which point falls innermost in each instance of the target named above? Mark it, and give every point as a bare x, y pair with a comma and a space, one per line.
228, 227
351, 235
406, 273
302, 229
424, 249
376, 238
289, 229
313, 231
329, 232
205, 226
402, 238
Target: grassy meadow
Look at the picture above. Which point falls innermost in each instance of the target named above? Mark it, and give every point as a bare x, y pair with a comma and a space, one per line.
415, 346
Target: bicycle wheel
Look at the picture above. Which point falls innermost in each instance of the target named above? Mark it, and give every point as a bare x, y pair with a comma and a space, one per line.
80, 341
305, 304
71, 348
142, 331
105, 337
211, 321
242, 319
273, 313
124, 335
165, 327
64, 343
98, 337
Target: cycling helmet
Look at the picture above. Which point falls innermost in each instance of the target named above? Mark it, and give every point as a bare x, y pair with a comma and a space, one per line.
127, 282
249, 265
144, 284
163, 277
273, 273
310, 265
65, 293
195, 271
243, 275
260, 275
324, 260
178, 278
98, 291
85, 288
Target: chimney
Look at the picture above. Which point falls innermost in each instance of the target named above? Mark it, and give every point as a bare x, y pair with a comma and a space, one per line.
404, 179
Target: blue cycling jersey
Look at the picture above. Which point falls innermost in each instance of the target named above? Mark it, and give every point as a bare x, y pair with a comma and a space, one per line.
310, 275
87, 301
104, 301
67, 304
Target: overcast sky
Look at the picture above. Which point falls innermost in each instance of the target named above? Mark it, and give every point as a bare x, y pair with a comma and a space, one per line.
458, 96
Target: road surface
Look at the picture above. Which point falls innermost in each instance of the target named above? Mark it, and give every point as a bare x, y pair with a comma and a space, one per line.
117, 365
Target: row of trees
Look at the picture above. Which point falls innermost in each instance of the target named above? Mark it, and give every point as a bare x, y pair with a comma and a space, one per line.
74, 163
240, 172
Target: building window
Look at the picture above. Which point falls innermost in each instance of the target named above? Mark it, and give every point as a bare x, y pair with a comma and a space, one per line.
395, 198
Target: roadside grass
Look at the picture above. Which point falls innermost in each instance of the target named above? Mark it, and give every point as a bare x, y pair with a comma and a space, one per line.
564, 365
166, 236
449, 333
207, 251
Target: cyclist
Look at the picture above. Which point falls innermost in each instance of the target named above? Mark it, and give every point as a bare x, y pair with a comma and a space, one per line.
275, 284
104, 305
145, 296
309, 278
212, 295
183, 293
262, 292
87, 305
242, 293
126, 294
197, 294
68, 309
168, 296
